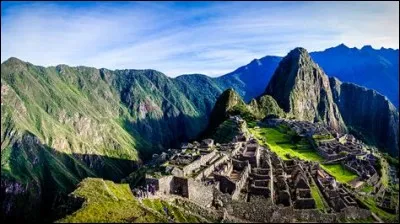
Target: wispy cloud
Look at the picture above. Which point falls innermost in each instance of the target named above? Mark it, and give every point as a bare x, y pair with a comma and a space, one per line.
212, 38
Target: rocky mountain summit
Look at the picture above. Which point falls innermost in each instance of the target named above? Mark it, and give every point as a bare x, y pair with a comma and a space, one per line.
302, 89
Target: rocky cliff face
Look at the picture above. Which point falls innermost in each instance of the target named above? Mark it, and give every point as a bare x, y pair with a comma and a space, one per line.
302, 89
368, 114
164, 111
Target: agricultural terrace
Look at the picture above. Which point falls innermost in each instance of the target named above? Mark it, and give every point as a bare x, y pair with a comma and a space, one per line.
284, 143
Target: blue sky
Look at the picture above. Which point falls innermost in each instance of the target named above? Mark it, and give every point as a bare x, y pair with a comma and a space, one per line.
211, 38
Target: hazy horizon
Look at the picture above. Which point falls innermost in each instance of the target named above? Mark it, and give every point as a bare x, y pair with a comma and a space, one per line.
218, 75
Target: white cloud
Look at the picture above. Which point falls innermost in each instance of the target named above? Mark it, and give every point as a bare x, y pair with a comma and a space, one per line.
177, 38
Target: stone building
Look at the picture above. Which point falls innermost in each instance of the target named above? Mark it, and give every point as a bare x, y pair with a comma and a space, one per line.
337, 196
363, 168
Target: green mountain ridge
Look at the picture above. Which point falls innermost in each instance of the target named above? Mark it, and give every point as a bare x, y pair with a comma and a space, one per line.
90, 118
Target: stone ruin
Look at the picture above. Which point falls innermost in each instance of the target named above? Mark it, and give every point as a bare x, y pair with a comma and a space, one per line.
301, 128
362, 167
334, 193
334, 149
329, 148
385, 200
344, 148
250, 182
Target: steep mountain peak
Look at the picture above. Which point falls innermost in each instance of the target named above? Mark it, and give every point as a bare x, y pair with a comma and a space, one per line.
339, 49
298, 56
15, 64
61, 68
229, 100
229, 97
298, 52
388, 49
302, 89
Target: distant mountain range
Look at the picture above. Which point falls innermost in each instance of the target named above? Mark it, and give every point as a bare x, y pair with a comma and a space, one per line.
60, 124
376, 69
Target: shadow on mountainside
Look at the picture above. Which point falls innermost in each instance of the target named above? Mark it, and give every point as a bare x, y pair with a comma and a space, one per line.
160, 134
36, 183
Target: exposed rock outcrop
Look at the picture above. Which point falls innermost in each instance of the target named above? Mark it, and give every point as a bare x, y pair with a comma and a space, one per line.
368, 113
302, 89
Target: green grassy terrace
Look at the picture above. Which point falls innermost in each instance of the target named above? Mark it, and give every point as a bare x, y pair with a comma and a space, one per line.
319, 200
175, 213
384, 172
279, 140
106, 201
367, 188
371, 204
